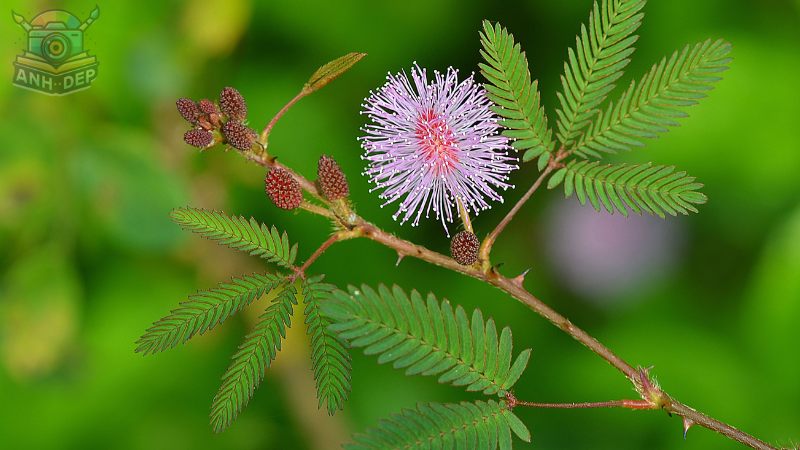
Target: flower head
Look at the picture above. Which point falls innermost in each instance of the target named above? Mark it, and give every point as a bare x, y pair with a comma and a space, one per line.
433, 143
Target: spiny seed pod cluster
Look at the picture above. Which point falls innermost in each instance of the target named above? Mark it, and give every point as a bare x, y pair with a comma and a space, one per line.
213, 124
331, 179
464, 248
283, 189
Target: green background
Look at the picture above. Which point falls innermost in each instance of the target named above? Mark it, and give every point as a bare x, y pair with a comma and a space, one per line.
89, 258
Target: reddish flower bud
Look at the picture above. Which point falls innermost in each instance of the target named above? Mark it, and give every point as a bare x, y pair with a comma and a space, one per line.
464, 248
188, 109
198, 138
239, 136
233, 104
331, 179
283, 189
207, 106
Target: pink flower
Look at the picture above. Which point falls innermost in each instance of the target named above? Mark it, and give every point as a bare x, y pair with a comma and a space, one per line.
432, 143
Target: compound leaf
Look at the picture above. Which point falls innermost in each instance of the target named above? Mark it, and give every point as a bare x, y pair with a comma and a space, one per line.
480, 425
254, 357
330, 360
239, 233
644, 187
645, 110
462, 352
516, 97
206, 310
601, 52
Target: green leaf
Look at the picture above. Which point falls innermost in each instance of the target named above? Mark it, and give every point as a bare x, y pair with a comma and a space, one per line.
329, 356
644, 110
333, 69
239, 233
517, 426
206, 310
557, 178
479, 425
252, 360
517, 98
463, 352
601, 52
654, 189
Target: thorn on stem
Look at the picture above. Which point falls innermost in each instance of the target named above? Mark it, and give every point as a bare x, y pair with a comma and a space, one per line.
400, 257
687, 423
520, 278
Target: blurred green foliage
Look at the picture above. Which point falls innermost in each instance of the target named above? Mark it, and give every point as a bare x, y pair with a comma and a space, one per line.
90, 258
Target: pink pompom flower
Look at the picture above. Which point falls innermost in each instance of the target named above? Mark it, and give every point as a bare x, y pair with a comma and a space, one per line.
433, 143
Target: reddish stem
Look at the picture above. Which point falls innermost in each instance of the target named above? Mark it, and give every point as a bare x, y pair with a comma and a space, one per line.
264, 134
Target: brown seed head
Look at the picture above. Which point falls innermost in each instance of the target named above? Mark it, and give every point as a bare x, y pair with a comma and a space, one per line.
188, 109
207, 106
283, 189
464, 248
233, 104
198, 138
238, 135
331, 179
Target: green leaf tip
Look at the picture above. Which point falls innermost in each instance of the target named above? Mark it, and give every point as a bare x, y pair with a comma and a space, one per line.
654, 189
333, 69
466, 425
516, 97
237, 232
426, 337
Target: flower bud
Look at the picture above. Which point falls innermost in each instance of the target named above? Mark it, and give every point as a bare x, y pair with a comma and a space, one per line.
331, 179
198, 138
464, 248
283, 189
239, 136
188, 109
233, 104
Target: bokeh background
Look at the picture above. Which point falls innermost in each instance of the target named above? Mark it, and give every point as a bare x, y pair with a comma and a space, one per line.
89, 258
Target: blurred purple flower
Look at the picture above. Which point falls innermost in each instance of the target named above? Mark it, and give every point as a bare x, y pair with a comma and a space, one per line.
434, 143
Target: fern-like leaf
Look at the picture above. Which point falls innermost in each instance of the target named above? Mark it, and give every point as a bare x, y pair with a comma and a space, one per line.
239, 233
330, 359
427, 339
510, 87
252, 360
645, 110
479, 425
601, 52
205, 310
654, 189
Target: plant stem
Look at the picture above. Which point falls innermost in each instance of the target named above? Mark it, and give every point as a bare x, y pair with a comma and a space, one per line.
265, 134
486, 245
302, 270
513, 402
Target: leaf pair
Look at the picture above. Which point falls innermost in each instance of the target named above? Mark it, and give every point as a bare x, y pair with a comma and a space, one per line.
644, 187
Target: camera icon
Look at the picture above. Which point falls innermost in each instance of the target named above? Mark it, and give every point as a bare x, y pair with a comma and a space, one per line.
55, 35
55, 43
